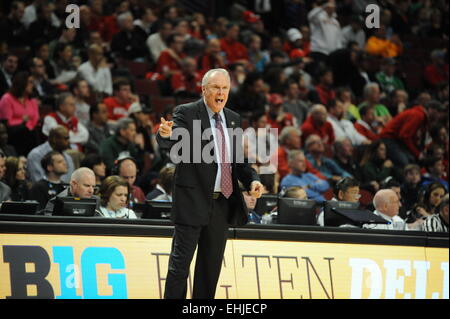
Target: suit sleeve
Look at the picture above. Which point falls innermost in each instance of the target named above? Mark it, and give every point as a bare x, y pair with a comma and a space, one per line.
179, 121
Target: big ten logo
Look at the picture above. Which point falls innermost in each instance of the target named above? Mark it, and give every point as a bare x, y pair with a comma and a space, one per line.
30, 265
73, 17
373, 18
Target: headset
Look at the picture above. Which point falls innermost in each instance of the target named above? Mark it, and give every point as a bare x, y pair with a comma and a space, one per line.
119, 160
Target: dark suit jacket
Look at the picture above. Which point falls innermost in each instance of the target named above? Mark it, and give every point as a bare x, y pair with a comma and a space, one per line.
194, 182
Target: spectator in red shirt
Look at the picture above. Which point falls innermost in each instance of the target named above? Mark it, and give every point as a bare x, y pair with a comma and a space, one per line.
187, 83
364, 125
325, 86
106, 25
276, 117
213, 58
404, 135
235, 51
119, 103
294, 46
437, 72
169, 61
127, 169
316, 123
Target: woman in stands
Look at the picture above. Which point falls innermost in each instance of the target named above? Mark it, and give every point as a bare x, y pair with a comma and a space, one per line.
15, 178
429, 200
21, 113
114, 198
375, 166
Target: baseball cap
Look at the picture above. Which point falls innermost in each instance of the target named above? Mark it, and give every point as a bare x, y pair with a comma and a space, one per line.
294, 34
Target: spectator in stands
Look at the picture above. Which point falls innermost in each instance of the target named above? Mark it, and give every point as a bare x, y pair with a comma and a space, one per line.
290, 139
169, 61
314, 186
58, 140
404, 134
345, 96
127, 169
354, 32
43, 28
375, 164
82, 93
345, 156
64, 65
315, 149
146, 24
5, 148
188, 82
364, 126
379, 45
105, 23
212, 57
435, 170
439, 141
438, 222
31, 13
346, 190
5, 190
96, 71
326, 33
294, 46
98, 128
325, 86
157, 42
235, 51
293, 104
12, 30
65, 116
15, 178
127, 43
67, 36
43, 89
82, 185
120, 102
387, 78
55, 166
275, 78
316, 123
398, 101
7, 72
43, 53
411, 185
343, 127
250, 98
387, 205
97, 165
258, 58
429, 200
276, 117
121, 143
21, 113
372, 97
114, 198
436, 73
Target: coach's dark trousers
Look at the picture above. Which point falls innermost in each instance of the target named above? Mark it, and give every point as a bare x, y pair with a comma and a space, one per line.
211, 240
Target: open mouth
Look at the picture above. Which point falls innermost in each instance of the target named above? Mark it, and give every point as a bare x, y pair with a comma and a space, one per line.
220, 101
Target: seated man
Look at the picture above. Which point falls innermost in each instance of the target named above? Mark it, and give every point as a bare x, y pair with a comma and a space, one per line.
82, 184
65, 116
54, 166
346, 190
387, 205
127, 169
120, 102
316, 123
328, 167
314, 186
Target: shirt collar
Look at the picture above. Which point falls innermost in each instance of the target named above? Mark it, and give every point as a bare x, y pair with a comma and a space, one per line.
211, 113
388, 218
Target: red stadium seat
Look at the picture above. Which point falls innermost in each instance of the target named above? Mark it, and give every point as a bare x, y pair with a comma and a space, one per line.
147, 87
366, 198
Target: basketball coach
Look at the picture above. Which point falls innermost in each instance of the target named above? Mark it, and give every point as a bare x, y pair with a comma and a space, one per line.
206, 195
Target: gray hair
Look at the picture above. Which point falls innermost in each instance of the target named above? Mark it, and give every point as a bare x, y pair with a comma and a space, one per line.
81, 172
293, 154
208, 74
286, 132
382, 197
368, 88
61, 98
122, 124
121, 18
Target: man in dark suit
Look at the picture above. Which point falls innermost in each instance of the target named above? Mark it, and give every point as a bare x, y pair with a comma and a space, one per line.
206, 194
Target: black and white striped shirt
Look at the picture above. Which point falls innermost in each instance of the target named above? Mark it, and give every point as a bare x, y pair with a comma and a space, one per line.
435, 223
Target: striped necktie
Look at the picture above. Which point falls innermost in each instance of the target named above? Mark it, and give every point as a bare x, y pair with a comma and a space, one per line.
226, 183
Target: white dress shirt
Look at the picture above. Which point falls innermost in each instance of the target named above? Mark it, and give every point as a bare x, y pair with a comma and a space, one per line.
345, 128
100, 79
395, 223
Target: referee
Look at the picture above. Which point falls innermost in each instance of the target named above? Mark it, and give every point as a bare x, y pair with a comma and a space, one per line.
438, 222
